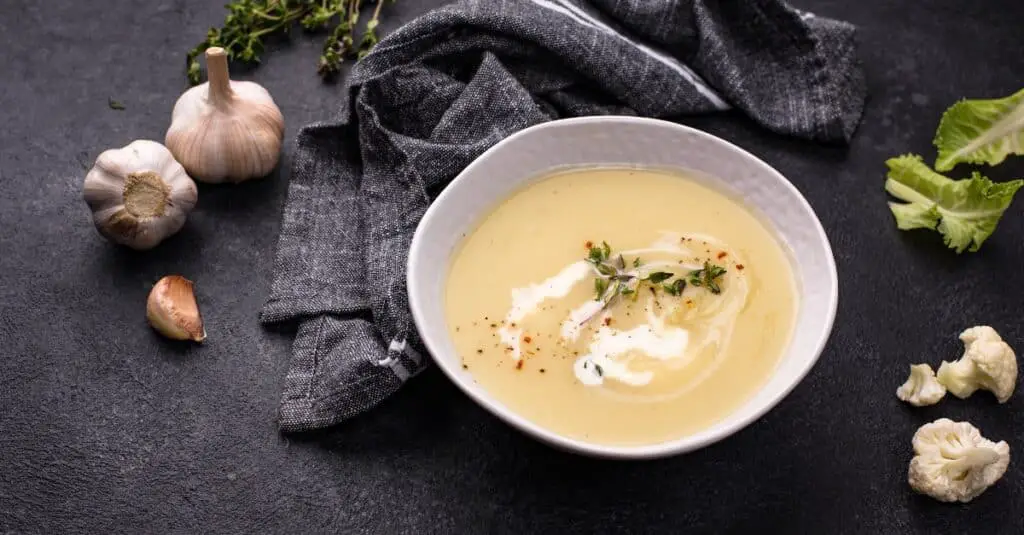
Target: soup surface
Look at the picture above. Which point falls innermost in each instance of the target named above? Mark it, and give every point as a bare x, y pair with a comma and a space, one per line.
620, 306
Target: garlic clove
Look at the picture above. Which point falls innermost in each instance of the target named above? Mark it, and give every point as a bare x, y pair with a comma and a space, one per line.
172, 309
224, 130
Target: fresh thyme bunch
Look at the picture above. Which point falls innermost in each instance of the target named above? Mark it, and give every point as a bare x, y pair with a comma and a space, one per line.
249, 21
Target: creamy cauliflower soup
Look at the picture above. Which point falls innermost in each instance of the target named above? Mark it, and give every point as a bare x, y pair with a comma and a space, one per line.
620, 306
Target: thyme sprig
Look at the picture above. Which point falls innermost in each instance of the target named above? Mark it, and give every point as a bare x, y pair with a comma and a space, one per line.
248, 22
707, 277
613, 280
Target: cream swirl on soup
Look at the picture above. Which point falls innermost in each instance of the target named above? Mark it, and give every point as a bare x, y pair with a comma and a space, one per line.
676, 329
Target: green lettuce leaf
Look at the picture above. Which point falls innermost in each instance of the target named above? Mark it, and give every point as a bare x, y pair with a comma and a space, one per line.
964, 211
980, 131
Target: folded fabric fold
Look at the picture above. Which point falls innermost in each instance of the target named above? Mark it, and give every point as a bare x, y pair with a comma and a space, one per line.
439, 91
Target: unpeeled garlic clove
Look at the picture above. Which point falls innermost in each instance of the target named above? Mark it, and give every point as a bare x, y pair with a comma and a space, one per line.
223, 130
172, 309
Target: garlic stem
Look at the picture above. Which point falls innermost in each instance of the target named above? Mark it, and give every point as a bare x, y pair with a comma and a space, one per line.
217, 74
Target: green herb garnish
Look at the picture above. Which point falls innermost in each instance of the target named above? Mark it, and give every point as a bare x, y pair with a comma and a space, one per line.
675, 287
114, 105
612, 279
249, 21
658, 276
600, 254
707, 277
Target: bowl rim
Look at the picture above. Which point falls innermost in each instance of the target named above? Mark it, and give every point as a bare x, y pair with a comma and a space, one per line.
685, 444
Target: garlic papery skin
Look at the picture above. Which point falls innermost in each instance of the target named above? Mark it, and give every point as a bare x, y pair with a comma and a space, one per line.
225, 131
139, 194
173, 311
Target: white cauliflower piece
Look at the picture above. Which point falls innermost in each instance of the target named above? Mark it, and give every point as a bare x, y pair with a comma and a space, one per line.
953, 462
988, 363
921, 387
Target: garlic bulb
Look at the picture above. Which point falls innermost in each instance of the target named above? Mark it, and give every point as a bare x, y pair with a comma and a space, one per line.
139, 194
225, 131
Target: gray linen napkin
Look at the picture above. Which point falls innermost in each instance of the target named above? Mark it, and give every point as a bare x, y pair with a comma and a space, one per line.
442, 89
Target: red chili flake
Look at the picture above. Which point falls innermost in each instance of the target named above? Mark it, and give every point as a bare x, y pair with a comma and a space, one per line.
527, 339
607, 321
739, 267
722, 255
519, 365
589, 244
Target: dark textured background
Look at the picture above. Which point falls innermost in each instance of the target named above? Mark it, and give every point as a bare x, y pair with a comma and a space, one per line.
106, 428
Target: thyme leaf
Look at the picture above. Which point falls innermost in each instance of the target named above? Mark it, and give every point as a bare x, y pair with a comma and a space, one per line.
707, 277
675, 287
658, 276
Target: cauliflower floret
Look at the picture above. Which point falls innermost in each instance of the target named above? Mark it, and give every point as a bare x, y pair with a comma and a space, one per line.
953, 462
988, 363
921, 387
980, 332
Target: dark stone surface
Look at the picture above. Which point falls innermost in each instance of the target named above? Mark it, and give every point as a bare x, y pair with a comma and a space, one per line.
106, 428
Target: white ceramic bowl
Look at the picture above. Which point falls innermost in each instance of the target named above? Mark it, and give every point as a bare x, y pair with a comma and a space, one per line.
613, 140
